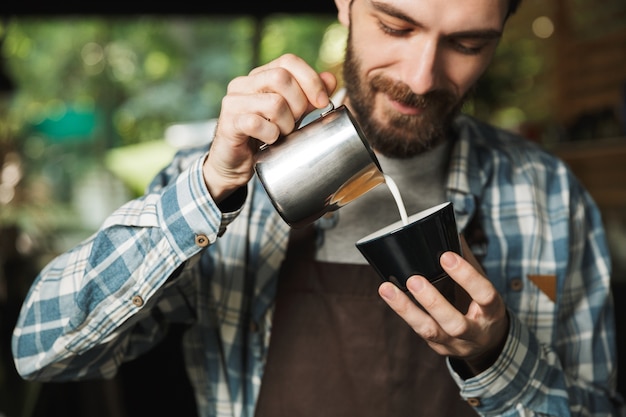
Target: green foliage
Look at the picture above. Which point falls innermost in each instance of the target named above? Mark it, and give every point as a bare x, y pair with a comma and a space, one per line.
140, 74
86, 86
301, 35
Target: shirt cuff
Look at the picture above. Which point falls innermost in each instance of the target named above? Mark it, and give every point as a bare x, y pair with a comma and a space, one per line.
189, 217
506, 385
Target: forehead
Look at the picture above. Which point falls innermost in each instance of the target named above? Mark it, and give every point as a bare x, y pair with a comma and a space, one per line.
453, 15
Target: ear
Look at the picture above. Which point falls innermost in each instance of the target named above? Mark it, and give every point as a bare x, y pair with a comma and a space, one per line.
343, 11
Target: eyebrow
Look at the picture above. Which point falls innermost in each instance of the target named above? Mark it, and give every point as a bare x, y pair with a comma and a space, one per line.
487, 34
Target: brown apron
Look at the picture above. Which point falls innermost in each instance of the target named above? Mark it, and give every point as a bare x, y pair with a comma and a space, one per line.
338, 350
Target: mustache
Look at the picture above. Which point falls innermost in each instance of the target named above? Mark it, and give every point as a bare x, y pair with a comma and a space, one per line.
402, 93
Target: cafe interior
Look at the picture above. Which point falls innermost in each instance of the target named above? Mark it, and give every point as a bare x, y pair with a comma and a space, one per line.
580, 92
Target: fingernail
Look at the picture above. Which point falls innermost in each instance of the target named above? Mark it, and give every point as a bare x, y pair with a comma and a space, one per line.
448, 260
388, 291
415, 284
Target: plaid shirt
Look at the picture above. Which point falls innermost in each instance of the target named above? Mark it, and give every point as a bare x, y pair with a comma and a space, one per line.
173, 255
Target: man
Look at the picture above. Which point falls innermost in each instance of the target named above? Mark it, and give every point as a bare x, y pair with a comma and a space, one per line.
284, 322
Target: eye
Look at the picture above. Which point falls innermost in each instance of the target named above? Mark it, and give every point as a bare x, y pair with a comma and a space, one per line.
392, 31
467, 47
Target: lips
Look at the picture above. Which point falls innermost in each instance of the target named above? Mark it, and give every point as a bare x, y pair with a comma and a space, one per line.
405, 108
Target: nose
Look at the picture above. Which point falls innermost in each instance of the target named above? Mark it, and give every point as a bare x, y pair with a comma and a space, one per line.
422, 66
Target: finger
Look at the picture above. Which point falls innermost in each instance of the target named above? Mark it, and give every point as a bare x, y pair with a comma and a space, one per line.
261, 116
312, 85
330, 82
479, 288
258, 127
447, 316
411, 313
277, 88
401, 303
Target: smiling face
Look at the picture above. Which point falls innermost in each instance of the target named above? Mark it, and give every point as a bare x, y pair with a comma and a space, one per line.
411, 63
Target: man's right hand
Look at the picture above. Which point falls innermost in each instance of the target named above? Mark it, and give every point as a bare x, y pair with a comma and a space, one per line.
258, 108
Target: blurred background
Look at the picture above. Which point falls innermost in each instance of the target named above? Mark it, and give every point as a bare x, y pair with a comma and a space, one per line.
89, 94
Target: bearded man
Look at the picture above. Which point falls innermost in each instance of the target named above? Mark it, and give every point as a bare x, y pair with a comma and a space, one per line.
285, 322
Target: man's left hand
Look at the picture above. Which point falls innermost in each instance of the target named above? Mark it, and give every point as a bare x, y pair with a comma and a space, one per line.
476, 337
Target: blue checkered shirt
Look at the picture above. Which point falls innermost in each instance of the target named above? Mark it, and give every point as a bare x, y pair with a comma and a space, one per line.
174, 256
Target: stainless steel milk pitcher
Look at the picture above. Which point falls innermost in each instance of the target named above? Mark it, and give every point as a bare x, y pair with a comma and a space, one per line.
318, 168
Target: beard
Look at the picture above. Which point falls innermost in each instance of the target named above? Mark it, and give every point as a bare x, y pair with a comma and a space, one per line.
402, 135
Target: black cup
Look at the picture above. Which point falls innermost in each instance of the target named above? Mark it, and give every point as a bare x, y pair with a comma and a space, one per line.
398, 251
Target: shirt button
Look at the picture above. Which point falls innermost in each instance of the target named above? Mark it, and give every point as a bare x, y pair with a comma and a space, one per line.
516, 284
474, 402
202, 240
137, 300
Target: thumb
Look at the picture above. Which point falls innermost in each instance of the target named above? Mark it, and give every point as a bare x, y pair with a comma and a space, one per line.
330, 82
